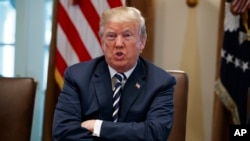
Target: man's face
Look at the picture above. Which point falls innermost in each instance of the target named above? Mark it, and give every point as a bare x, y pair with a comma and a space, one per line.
122, 45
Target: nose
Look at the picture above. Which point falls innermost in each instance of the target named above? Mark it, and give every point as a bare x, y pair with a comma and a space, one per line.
119, 41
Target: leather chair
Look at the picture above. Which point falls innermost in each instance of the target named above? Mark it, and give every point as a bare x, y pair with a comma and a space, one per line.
17, 96
178, 132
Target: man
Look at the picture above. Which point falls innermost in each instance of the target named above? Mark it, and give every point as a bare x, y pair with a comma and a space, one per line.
97, 104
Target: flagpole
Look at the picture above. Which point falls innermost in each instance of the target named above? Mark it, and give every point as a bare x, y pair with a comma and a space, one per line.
221, 116
53, 90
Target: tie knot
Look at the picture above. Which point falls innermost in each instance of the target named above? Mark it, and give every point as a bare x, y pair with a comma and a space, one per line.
120, 76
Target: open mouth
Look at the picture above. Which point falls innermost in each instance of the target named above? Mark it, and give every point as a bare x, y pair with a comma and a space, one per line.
119, 55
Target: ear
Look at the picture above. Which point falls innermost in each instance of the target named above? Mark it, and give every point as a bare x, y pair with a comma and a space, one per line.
142, 44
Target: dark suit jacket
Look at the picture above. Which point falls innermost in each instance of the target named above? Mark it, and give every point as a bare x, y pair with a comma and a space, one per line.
146, 110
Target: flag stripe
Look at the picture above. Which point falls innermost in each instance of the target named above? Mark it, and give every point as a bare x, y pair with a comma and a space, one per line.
72, 34
65, 49
60, 63
240, 6
100, 6
246, 6
87, 34
114, 3
91, 15
77, 32
59, 70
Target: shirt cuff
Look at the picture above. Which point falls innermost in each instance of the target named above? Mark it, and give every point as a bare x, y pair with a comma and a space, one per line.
97, 128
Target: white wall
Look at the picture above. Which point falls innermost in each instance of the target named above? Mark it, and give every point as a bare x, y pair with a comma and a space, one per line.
180, 28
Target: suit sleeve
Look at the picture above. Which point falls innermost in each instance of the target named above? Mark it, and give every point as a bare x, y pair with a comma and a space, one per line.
67, 116
157, 125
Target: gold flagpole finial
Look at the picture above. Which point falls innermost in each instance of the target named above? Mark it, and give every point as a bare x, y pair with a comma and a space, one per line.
192, 3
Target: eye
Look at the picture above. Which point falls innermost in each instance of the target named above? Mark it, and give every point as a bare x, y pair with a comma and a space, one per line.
127, 35
110, 36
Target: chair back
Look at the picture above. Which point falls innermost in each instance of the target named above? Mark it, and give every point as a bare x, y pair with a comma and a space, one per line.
17, 96
178, 132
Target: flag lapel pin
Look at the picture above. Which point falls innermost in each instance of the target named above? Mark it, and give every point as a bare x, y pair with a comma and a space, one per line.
137, 85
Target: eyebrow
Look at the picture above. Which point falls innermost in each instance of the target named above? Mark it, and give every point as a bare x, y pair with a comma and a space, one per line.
127, 30
112, 31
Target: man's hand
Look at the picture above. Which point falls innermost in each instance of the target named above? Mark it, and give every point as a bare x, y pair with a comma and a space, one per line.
88, 124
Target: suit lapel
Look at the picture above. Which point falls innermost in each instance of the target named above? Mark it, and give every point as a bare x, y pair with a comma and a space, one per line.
103, 91
132, 89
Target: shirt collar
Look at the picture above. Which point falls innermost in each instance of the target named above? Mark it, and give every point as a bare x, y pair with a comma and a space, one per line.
127, 73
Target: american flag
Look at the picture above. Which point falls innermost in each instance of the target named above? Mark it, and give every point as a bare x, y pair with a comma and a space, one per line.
233, 70
234, 80
77, 32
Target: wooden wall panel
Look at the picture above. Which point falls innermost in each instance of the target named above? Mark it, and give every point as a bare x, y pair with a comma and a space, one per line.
147, 7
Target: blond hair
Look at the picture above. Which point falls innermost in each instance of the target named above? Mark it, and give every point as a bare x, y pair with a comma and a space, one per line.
123, 14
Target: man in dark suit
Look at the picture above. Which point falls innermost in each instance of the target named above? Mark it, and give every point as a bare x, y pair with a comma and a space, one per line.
119, 96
